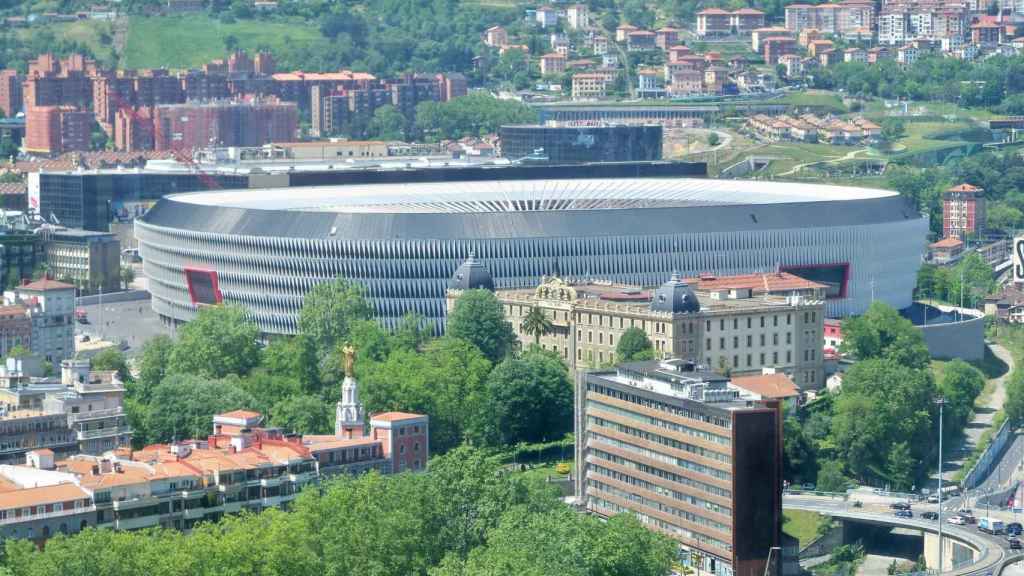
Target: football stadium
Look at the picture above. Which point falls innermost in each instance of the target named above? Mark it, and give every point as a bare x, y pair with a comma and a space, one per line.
264, 249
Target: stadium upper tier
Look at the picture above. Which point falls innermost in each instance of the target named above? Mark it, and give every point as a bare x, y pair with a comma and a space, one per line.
403, 241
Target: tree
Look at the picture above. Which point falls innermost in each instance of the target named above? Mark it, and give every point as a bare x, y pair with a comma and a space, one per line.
901, 467
633, 346
478, 317
220, 340
893, 129
230, 43
713, 139
187, 404
446, 381
305, 414
387, 123
536, 323
112, 359
798, 456
527, 399
882, 333
1014, 406
883, 402
127, 275
831, 478
328, 311
960, 385
1003, 217
294, 357
156, 355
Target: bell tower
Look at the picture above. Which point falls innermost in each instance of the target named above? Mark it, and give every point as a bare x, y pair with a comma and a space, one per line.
349, 421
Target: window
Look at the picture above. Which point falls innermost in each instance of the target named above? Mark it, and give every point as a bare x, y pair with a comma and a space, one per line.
736, 360
721, 324
750, 340
762, 321
775, 339
775, 357
620, 321
748, 322
401, 449
579, 354
600, 337
708, 341
735, 341
789, 319
748, 360
789, 337
611, 339
789, 357
721, 342
762, 339
707, 325
590, 336
735, 323
600, 357
762, 358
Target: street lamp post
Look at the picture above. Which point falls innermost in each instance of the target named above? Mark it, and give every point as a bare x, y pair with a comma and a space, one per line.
940, 401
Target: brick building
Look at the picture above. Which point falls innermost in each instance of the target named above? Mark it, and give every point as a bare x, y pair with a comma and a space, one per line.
191, 126
12, 99
963, 212
53, 130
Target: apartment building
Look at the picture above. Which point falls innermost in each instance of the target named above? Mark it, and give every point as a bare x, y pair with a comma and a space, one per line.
589, 85
91, 260
496, 36
776, 47
15, 329
848, 18
79, 412
242, 465
963, 212
51, 306
53, 130
578, 17
553, 63
692, 456
11, 96
640, 40
730, 323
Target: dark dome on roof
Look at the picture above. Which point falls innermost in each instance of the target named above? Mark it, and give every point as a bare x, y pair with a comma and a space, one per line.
470, 275
675, 296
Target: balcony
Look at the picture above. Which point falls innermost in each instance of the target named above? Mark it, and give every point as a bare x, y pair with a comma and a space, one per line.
96, 414
199, 513
270, 482
102, 433
46, 515
136, 502
137, 523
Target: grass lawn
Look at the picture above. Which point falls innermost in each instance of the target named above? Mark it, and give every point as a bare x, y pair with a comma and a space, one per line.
188, 41
801, 525
97, 36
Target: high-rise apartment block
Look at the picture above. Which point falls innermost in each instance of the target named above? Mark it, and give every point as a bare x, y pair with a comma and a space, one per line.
846, 18
51, 307
963, 212
190, 126
691, 455
53, 130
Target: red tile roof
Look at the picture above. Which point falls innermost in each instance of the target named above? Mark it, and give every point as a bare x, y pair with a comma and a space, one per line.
772, 281
965, 187
243, 414
394, 416
13, 188
46, 284
775, 386
946, 243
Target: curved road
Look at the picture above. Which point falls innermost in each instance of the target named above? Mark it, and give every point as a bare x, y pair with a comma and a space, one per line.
992, 550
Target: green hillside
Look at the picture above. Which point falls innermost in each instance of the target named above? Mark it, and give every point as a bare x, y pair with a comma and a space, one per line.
190, 41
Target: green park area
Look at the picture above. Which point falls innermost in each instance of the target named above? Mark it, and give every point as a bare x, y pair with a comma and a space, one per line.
801, 525
187, 41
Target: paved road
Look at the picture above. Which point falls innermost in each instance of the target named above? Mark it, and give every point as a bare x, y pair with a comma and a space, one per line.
992, 549
982, 420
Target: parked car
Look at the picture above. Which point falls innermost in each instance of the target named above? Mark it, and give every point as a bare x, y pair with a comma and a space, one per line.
930, 515
1014, 528
904, 514
808, 486
900, 506
933, 499
1014, 544
958, 520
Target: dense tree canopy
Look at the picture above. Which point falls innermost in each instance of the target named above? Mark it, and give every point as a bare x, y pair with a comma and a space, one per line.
328, 311
478, 318
634, 345
527, 399
882, 333
220, 340
183, 406
461, 518
471, 115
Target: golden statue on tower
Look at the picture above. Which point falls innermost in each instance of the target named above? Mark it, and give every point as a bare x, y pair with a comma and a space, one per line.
350, 359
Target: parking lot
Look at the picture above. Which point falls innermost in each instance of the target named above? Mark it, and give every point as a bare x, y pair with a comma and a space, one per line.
130, 322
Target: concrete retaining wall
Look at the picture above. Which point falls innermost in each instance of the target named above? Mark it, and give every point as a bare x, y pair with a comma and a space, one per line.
126, 296
964, 339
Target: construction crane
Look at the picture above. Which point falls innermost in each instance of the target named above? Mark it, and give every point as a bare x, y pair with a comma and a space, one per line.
179, 153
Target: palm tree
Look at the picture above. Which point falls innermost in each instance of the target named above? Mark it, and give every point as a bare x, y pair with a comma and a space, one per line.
537, 323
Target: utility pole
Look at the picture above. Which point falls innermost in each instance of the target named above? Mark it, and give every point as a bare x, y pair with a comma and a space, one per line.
941, 402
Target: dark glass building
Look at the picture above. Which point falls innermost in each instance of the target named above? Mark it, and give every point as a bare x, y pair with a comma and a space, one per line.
571, 145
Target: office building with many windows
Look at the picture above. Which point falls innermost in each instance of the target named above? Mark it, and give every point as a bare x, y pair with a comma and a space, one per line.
690, 455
